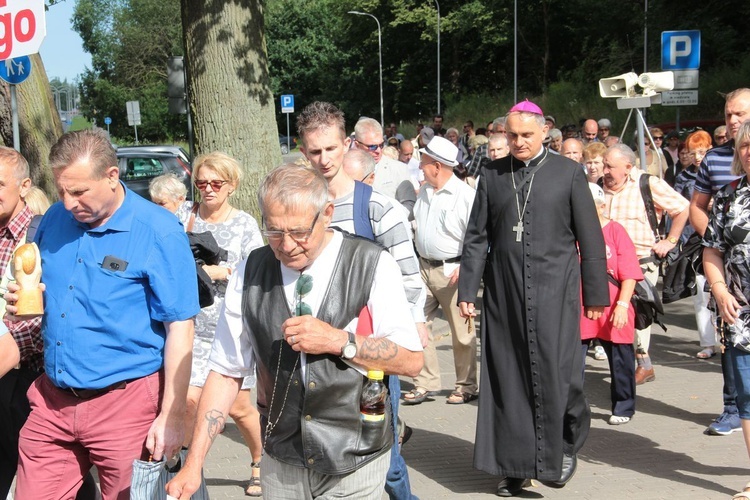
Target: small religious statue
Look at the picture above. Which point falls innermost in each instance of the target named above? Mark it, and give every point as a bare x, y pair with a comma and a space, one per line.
27, 267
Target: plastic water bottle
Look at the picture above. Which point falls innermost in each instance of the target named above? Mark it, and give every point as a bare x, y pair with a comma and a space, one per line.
372, 402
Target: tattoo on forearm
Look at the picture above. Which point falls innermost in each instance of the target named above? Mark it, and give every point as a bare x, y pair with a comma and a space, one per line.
214, 423
378, 349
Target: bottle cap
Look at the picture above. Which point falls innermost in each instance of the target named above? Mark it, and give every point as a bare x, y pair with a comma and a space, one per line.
375, 374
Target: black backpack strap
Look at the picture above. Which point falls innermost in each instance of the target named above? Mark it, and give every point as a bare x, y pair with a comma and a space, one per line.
33, 226
648, 202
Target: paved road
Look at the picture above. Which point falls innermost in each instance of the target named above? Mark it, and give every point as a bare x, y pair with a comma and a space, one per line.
661, 453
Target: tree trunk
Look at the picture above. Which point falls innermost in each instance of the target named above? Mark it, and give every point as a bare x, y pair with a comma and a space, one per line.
229, 87
39, 124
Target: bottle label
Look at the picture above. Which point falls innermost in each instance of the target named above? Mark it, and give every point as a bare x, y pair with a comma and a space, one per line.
372, 418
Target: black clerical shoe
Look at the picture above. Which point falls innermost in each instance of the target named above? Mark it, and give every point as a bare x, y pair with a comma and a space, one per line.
569, 464
511, 486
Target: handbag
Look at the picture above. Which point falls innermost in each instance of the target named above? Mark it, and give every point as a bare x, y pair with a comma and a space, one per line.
646, 303
150, 479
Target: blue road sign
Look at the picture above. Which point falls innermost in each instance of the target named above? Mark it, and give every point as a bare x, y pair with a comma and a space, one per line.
287, 103
107, 120
15, 70
680, 50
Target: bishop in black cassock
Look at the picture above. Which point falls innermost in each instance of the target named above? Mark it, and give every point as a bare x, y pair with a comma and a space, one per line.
534, 237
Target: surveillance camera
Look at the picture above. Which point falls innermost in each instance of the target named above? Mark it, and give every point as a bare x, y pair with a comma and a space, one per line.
618, 86
656, 82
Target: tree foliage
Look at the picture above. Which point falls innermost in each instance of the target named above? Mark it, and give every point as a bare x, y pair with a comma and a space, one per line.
130, 42
316, 50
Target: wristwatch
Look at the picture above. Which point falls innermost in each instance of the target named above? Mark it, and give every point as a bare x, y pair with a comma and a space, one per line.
350, 348
672, 240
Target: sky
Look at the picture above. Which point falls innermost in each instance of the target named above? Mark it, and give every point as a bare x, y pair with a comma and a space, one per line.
62, 49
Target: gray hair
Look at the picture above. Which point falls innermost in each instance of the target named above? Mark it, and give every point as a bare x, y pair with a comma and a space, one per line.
294, 187
742, 137
167, 187
499, 138
624, 151
12, 158
539, 119
365, 125
360, 161
555, 134
500, 120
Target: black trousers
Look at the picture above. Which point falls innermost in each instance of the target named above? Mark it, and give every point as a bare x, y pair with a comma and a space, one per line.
621, 359
14, 410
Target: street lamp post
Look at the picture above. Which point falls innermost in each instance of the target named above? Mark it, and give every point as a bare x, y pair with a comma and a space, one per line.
380, 61
438, 56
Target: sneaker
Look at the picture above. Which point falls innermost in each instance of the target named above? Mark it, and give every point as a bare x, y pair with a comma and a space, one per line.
725, 424
599, 353
618, 420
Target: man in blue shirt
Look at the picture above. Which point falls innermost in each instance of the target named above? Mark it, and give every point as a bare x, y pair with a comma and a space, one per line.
118, 330
714, 173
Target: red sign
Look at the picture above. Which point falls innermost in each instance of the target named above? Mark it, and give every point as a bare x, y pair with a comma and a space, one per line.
22, 27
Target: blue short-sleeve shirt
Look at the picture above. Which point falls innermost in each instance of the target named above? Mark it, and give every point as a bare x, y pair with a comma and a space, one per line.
102, 326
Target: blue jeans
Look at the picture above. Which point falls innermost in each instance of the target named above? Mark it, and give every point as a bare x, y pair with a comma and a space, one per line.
741, 365
397, 480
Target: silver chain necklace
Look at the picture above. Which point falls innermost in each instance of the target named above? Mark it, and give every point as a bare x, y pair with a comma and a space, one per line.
271, 425
518, 228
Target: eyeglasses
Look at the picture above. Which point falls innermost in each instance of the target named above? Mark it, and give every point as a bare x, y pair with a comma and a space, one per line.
303, 287
300, 236
603, 129
658, 137
721, 137
372, 147
215, 185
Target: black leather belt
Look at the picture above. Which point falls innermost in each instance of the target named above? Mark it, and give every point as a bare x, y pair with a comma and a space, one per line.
438, 263
92, 393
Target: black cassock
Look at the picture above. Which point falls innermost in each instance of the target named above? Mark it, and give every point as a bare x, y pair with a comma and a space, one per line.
531, 403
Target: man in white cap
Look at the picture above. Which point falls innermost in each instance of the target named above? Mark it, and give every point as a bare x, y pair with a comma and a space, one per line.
442, 213
532, 214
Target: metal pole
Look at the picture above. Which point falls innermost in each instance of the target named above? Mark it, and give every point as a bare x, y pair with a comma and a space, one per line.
438, 56
380, 62
135, 127
641, 149
515, 51
288, 138
14, 119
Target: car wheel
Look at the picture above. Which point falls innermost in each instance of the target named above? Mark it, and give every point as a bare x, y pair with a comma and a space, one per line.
284, 149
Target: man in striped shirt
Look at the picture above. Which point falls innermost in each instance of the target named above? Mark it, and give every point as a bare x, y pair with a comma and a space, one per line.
321, 129
715, 173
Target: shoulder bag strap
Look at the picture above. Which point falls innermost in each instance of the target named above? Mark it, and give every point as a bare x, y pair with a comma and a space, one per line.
648, 202
191, 221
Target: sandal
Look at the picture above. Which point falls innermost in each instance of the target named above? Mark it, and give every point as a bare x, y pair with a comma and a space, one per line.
744, 494
253, 489
415, 396
459, 398
706, 353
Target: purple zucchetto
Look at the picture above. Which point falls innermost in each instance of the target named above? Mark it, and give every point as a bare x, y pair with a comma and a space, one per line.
526, 106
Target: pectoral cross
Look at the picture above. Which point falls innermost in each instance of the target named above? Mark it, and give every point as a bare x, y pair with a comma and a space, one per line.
518, 228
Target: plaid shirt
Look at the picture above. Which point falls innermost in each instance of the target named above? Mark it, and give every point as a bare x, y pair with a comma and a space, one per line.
28, 333
626, 207
478, 161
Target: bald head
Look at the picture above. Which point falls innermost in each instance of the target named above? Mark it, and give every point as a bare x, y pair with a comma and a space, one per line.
359, 165
590, 130
573, 149
405, 151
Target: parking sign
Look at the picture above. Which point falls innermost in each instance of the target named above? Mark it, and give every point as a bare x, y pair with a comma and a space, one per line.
287, 103
680, 50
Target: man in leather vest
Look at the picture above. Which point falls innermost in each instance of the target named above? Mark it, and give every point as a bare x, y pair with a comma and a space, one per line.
308, 314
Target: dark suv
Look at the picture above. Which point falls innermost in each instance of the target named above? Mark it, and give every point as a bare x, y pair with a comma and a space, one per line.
140, 164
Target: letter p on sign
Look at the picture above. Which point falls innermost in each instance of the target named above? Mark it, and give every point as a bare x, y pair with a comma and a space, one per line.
22, 27
680, 50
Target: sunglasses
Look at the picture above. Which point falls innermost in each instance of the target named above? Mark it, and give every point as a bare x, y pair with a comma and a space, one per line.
303, 287
372, 147
300, 236
215, 185
658, 137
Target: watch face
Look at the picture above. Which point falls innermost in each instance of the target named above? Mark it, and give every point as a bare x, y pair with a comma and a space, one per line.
349, 351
